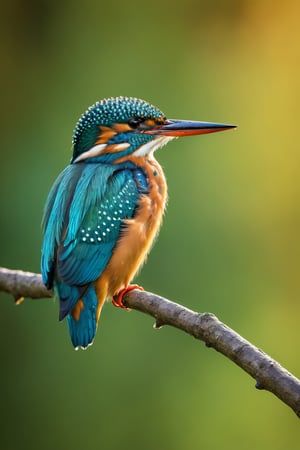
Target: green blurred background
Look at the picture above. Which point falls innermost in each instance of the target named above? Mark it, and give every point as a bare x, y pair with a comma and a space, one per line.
229, 242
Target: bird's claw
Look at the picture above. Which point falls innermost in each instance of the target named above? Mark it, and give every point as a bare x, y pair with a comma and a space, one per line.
117, 299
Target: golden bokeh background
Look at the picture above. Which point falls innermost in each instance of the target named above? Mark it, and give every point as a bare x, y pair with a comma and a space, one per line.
229, 242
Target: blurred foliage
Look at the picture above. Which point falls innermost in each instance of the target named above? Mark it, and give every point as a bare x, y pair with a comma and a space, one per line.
230, 239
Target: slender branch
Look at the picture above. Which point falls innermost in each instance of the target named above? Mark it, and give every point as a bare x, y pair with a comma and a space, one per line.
23, 284
206, 327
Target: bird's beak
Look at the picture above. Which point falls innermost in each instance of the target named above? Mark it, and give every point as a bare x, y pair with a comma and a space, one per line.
178, 128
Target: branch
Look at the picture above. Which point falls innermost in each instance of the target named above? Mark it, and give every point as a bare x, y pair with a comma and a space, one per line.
206, 327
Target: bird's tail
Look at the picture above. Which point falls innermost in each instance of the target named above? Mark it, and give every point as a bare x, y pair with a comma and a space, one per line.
83, 323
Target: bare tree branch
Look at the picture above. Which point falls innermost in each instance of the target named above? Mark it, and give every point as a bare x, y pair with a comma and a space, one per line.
206, 327
23, 284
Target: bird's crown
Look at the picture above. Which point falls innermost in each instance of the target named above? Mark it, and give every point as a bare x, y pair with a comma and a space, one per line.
103, 115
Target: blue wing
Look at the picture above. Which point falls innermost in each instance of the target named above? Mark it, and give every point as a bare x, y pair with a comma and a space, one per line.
82, 222
54, 216
92, 235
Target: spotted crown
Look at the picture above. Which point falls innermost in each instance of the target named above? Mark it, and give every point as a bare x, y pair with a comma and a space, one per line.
107, 112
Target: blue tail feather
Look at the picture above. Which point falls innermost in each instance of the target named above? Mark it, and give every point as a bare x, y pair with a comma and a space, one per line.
83, 331
68, 297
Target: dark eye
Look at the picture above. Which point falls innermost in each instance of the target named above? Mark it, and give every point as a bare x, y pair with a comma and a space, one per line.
135, 122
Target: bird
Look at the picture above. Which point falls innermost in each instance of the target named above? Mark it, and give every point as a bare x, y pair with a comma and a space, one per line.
105, 209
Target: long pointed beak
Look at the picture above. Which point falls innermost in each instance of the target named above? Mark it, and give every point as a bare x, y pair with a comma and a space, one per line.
178, 128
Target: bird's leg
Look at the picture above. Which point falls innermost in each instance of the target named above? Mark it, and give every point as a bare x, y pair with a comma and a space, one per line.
117, 299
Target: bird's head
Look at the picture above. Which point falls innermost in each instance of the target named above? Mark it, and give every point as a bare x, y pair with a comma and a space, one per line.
122, 126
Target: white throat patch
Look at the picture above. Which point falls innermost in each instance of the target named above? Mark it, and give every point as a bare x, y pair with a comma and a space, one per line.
151, 146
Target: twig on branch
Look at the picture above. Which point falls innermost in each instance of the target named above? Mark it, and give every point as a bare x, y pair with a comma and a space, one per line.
266, 371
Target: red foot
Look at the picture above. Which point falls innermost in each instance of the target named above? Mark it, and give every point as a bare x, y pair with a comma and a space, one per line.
117, 299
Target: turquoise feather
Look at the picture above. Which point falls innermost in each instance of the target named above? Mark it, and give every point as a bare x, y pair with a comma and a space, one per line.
95, 206
82, 332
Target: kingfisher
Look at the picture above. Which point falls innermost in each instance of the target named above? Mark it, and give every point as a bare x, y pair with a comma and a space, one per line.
105, 209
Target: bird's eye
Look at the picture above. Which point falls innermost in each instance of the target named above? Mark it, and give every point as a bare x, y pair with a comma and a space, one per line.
135, 122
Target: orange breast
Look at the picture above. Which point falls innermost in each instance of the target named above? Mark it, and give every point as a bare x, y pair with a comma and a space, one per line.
137, 237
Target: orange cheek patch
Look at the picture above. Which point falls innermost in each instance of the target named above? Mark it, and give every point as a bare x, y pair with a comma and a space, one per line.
121, 127
106, 133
